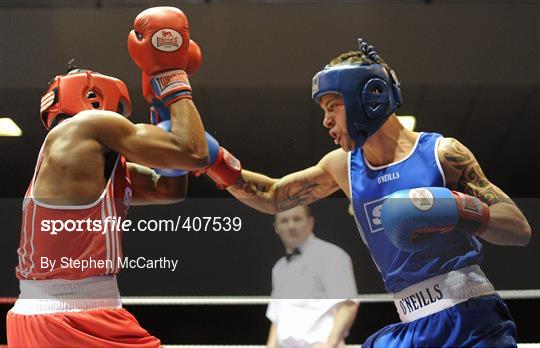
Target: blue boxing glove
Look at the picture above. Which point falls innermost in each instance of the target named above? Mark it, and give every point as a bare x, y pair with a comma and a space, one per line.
161, 116
410, 217
166, 125
214, 151
213, 148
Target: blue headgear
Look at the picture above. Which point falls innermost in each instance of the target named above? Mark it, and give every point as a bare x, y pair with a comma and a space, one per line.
371, 93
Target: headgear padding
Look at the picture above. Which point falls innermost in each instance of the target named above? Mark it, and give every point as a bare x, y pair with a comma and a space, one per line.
371, 94
84, 90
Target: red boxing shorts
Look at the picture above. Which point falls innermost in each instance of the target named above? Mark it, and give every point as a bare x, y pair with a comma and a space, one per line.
114, 328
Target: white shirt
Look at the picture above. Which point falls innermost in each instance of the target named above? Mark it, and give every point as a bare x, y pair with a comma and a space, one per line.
306, 290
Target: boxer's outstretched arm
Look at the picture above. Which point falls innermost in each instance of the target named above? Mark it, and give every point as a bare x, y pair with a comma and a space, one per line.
507, 224
274, 195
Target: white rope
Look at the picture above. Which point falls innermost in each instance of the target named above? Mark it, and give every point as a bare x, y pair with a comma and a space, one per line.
519, 294
264, 300
172, 300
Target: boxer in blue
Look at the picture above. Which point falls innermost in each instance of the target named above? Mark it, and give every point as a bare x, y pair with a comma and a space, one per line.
421, 202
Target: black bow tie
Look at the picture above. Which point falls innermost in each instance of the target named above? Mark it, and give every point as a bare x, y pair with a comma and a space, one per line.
290, 255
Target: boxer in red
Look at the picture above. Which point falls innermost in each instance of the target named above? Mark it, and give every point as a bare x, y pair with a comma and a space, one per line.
82, 175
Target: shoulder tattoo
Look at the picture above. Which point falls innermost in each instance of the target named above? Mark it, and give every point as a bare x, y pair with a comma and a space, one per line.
472, 180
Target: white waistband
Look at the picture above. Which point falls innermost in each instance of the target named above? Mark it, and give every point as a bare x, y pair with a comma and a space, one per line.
62, 295
441, 292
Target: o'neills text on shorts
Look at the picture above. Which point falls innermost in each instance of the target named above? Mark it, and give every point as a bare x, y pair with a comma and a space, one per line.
441, 292
140, 262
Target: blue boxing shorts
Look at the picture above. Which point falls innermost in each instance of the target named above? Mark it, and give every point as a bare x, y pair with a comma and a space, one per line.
483, 321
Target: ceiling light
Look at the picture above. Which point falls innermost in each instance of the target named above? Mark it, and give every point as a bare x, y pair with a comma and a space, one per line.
8, 128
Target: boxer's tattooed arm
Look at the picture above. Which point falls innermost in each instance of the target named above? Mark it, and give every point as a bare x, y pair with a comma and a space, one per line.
301, 188
275, 195
463, 173
507, 225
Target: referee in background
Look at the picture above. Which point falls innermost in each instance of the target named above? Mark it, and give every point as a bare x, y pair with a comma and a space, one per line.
313, 287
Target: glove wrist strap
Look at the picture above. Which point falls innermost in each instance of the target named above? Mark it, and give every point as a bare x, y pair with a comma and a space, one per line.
170, 86
474, 214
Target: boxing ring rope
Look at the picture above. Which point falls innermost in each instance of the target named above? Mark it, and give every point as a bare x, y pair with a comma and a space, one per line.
264, 300
259, 300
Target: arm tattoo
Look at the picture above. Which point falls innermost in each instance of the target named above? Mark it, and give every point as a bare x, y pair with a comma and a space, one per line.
472, 180
303, 187
299, 192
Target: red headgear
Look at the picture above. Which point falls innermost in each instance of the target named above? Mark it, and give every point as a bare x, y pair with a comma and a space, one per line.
81, 90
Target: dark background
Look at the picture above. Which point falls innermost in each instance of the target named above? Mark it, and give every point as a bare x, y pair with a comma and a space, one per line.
469, 69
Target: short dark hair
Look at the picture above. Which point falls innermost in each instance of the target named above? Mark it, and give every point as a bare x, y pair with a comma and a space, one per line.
366, 55
307, 210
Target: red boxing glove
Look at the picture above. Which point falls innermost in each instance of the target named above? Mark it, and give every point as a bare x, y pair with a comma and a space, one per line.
194, 59
159, 45
474, 214
160, 40
193, 64
147, 91
225, 170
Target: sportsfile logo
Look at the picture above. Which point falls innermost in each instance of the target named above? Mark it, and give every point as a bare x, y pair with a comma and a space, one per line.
167, 40
117, 223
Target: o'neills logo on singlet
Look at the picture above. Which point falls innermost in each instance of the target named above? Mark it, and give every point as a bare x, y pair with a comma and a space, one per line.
387, 177
421, 299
